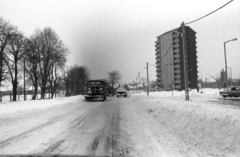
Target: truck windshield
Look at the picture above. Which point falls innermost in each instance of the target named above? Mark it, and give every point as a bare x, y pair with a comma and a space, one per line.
96, 83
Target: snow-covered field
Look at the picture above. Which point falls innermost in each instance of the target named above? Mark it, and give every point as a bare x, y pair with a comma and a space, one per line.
207, 123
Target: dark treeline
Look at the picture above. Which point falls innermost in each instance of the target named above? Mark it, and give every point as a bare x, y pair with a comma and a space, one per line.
44, 56
74, 79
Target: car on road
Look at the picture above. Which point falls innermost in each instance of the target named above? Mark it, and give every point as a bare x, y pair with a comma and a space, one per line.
231, 91
122, 92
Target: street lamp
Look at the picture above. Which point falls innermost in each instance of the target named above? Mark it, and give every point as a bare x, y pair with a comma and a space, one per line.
226, 58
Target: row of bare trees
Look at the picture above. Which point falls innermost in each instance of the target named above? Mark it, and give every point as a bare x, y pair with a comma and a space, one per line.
42, 55
45, 55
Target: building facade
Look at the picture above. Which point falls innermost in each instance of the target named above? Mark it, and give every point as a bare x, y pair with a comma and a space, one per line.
169, 59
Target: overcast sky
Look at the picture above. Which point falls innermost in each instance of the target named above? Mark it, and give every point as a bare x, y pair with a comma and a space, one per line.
120, 35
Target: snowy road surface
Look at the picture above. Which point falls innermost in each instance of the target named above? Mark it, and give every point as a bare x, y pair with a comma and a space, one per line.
137, 126
79, 127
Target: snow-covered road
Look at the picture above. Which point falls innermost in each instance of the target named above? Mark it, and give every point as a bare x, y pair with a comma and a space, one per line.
77, 127
136, 126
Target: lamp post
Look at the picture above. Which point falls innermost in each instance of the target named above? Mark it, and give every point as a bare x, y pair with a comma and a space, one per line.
226, 59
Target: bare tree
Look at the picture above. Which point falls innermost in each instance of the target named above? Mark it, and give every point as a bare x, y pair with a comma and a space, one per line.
6, 32
114, 76
65, 81
52, 51
32, 54
14, 53
57, 64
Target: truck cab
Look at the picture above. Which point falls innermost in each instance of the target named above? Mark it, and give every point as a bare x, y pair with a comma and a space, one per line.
96, 90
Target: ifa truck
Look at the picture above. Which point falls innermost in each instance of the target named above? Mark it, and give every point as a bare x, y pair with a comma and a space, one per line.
96, 90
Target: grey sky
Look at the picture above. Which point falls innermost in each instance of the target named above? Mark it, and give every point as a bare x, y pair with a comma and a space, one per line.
119, 35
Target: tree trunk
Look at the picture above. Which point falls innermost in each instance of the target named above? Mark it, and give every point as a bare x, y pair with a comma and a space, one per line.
35, 89
43, 91
14, 90
14, 82
67, 91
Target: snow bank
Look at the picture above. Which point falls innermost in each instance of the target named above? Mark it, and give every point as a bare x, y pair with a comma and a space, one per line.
8, 107
206, 125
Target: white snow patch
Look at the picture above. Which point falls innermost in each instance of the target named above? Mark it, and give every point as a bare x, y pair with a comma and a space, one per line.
206, 122
8, 107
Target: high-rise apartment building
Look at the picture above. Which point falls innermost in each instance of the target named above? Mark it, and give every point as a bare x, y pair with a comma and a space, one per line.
169, 59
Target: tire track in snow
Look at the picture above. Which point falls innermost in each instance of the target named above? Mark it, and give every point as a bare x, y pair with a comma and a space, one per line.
35, 129
26, 133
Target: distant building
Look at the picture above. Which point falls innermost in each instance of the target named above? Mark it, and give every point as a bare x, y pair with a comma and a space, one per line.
223, 78
169, 59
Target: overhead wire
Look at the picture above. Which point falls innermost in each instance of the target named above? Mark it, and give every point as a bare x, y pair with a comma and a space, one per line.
195, 21
168, 48
210, 12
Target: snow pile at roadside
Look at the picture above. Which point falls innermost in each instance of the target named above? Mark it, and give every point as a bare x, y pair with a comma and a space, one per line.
208, 126
8, 107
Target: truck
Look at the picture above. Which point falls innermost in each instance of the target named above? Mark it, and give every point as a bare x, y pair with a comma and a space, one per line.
96, 90
231, 91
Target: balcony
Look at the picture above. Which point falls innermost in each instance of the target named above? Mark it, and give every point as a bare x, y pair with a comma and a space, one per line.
177, 66
158, 71
178, 86
177, 56
176, 50
176, 40
176, 45
178, 81
177, 71
178, 76
177, 61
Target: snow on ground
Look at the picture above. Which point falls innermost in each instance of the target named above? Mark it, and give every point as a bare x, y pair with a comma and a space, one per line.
207, 122
20, 106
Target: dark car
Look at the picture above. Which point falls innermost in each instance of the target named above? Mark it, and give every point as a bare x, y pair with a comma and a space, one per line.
231, 91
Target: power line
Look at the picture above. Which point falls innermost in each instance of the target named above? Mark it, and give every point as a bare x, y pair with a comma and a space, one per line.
151, 65
210, 12
167, 51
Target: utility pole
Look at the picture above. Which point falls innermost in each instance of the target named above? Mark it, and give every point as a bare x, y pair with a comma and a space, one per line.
139, 80
202, 82
147, 81
185, 62
136, 85
24, 85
